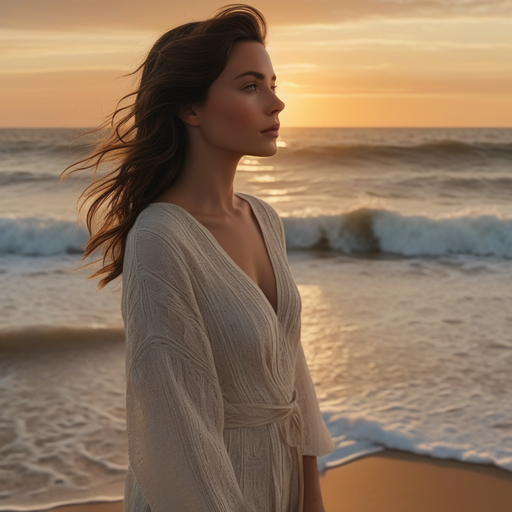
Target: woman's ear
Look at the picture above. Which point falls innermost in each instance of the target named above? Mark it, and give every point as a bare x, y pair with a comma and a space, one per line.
189, 115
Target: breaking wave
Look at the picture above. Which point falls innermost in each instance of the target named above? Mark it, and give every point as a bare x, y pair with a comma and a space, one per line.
31, 236
363, 230
368, 230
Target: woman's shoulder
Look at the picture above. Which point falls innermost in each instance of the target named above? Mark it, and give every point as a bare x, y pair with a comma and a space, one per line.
266, 212
262, 205
161, 218
159, 227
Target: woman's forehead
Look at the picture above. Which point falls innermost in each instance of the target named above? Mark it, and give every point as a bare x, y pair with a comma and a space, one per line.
249, 58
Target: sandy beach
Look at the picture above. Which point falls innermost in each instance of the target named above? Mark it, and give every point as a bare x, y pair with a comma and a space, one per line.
393, 481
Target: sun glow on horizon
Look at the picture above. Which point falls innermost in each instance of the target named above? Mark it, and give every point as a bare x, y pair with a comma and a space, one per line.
386, 72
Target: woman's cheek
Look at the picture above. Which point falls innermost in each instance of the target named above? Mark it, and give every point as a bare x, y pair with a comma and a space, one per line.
240, 115
231, 118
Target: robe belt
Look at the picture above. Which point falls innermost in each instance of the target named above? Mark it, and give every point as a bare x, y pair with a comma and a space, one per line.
247, 415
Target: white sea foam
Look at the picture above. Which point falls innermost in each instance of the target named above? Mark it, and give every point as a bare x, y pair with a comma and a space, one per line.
361, 230
30, 236
377, 230
356, 435
62, 428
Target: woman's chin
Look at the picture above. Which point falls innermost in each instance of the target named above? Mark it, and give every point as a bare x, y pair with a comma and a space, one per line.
269, 150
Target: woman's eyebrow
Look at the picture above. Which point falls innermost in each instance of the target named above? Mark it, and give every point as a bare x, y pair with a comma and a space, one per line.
256, 74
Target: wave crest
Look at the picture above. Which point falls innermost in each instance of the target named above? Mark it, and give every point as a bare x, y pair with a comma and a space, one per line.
363, 230
368, 230
31, 236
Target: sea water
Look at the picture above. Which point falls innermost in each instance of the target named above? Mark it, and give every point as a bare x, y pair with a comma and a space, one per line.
400, 241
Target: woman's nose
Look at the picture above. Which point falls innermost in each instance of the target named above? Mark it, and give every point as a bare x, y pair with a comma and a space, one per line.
277, 105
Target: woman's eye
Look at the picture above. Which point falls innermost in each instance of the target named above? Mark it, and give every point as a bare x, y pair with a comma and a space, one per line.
273, 87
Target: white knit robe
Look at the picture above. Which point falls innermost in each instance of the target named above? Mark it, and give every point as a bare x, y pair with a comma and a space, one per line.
202, 340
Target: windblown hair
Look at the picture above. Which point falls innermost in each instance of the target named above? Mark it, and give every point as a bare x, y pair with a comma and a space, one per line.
146, 142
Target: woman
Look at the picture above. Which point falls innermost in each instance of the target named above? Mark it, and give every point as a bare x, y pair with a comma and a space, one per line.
222, 414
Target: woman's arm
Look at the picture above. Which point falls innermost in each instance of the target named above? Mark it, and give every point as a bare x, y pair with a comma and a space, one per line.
312, 492
174, 401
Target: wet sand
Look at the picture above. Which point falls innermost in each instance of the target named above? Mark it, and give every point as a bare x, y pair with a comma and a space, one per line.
393, 481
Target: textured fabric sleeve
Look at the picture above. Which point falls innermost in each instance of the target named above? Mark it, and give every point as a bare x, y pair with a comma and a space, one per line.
175, 414
316, 439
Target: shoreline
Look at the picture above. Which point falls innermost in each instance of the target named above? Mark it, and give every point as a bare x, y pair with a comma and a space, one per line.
396, 481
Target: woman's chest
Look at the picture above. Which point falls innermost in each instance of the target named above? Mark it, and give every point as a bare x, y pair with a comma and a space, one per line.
251, 342
241, 240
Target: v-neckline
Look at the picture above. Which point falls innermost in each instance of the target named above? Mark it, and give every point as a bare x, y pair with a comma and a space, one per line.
230, 260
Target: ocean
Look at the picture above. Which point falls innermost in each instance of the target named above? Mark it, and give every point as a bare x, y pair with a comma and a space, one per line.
400, 241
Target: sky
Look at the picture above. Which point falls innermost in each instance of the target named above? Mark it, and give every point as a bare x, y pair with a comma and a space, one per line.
387, 63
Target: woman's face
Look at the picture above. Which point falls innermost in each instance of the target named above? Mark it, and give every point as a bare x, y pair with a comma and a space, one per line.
242, 104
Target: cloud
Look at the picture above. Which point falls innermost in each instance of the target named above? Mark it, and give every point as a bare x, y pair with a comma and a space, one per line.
161, 14
39, 43
394, 36
300, 67
412, 44
35, 51
377, 94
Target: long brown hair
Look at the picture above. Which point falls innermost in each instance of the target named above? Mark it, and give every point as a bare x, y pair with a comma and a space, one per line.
146, 141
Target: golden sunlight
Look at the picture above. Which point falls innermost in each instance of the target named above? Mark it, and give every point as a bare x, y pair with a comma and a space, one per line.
411, 71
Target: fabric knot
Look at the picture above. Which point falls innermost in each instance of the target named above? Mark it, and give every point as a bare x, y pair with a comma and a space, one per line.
247, 415
293, 436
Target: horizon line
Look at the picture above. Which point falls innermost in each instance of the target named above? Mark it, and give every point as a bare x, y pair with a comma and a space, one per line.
285, 127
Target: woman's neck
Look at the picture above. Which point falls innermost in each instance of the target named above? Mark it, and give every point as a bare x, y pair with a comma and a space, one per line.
205, 185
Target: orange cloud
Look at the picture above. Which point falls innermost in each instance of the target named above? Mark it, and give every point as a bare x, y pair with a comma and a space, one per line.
160, 14
385, 71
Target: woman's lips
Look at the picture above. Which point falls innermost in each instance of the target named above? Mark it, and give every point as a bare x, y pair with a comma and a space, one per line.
271, 133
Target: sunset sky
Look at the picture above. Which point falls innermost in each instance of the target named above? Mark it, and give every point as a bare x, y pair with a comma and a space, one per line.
338, 63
